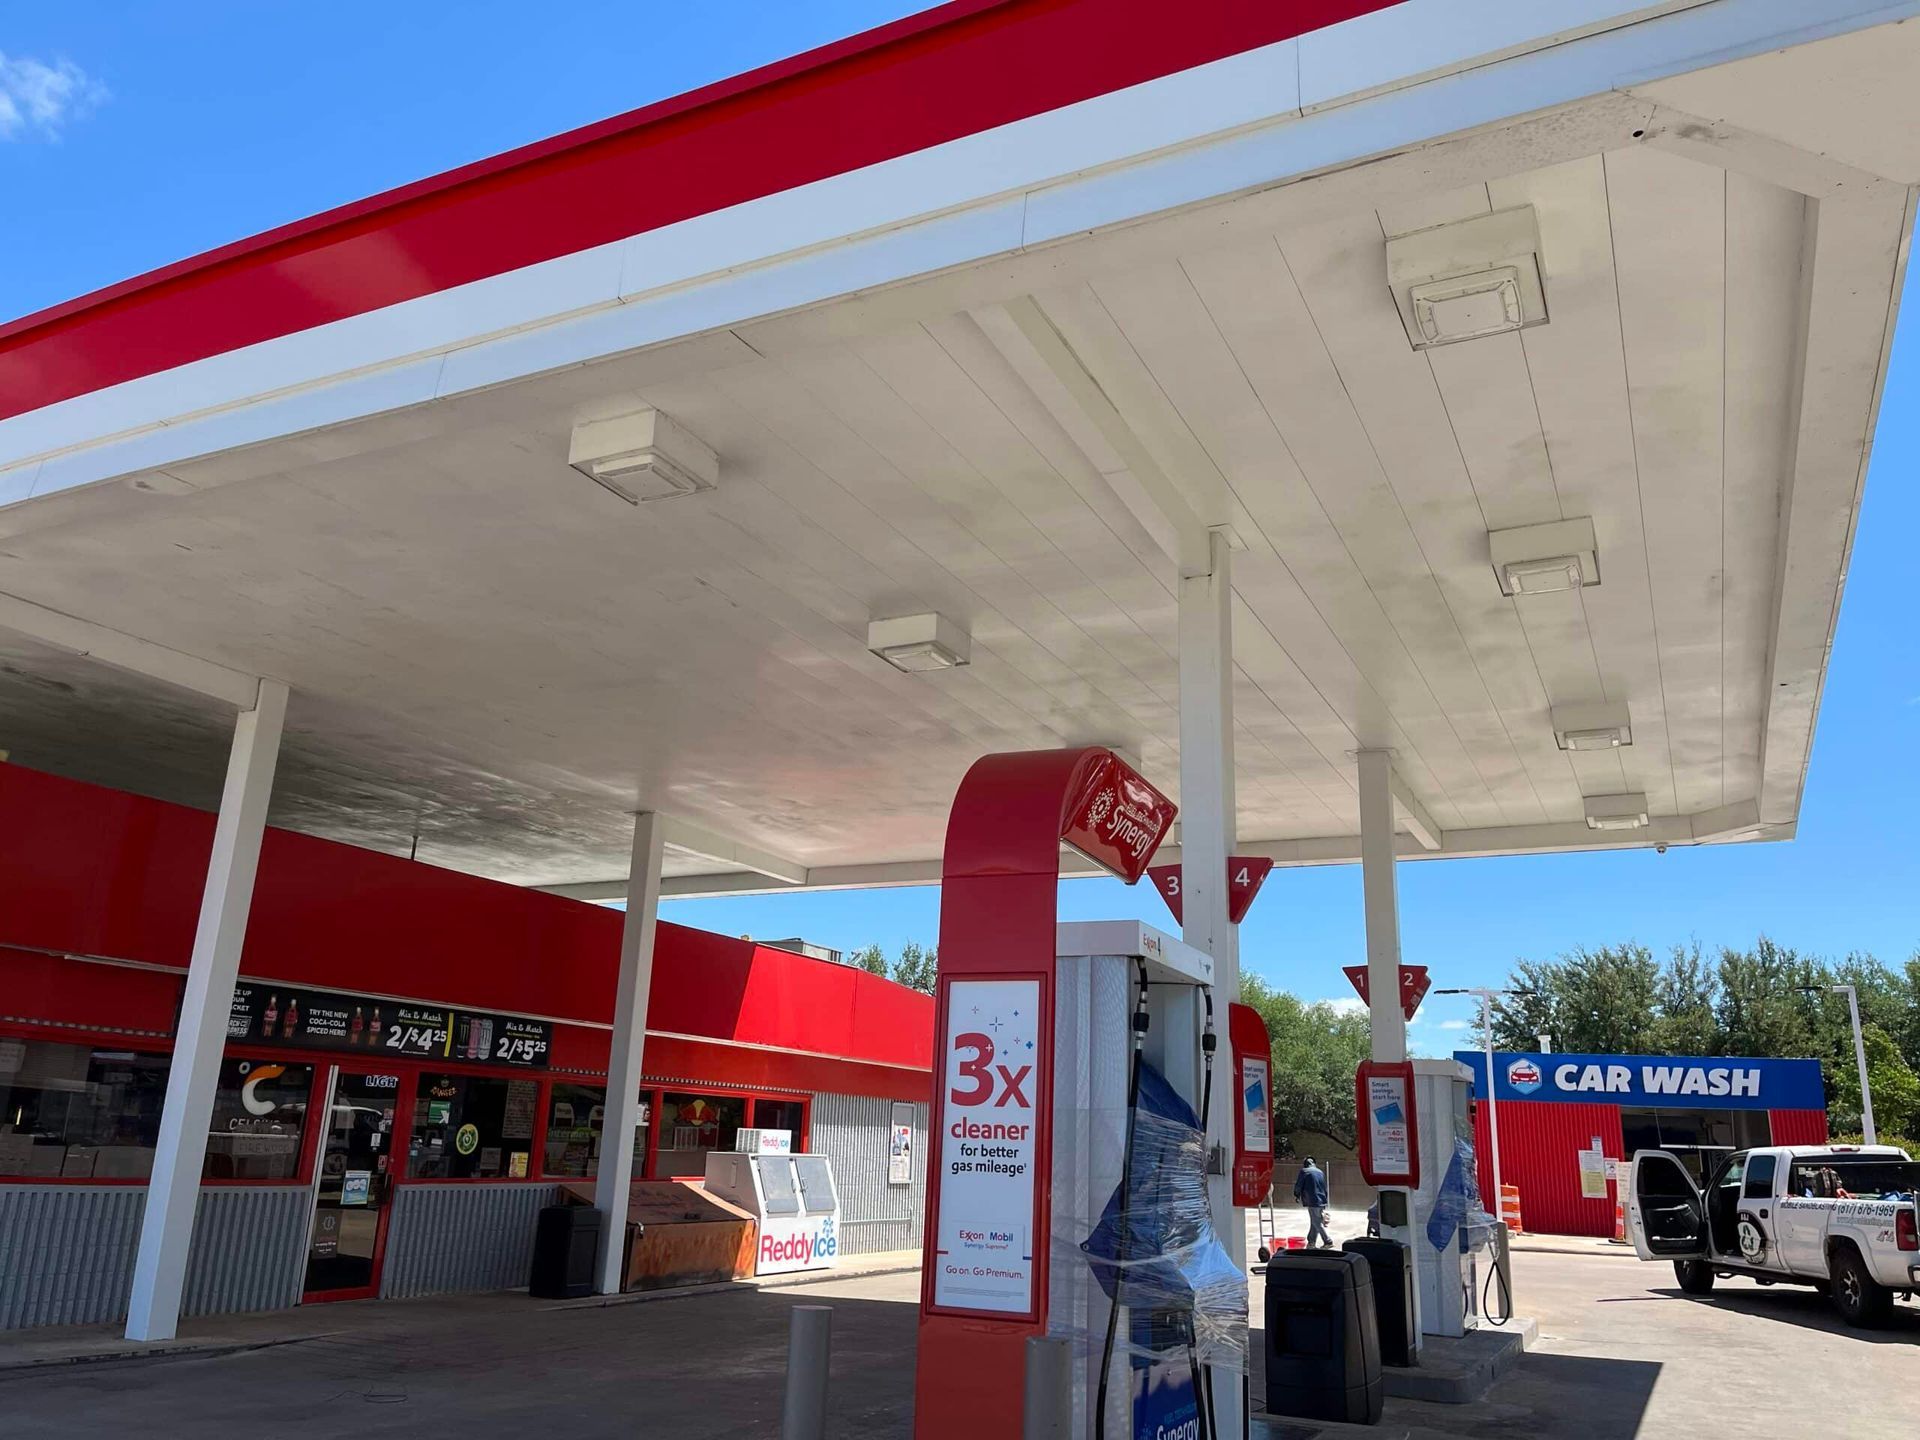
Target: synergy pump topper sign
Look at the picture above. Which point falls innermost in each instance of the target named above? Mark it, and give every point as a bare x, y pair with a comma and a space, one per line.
983, 1251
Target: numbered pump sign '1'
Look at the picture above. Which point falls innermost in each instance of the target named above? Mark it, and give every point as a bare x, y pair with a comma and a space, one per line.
1414, 984
270, 1014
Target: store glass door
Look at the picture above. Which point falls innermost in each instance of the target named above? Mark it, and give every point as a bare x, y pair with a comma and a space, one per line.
353, 1186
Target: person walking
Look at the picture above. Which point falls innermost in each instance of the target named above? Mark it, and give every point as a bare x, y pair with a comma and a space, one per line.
1310, 1189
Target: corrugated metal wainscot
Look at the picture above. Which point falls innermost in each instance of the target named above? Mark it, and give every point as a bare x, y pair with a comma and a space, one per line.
854, 1132
66, 1251
447, 1238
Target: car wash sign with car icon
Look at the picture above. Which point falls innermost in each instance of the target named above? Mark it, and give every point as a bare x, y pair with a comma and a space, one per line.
1658, 1082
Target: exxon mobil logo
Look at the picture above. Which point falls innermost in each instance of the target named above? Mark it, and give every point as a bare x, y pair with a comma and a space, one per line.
1525, 1076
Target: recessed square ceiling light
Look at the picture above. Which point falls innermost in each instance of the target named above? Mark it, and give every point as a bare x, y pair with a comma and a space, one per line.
1539, 559
1617, 812
643, 456
1468, 278
919, 643
1468, 306
1602, 726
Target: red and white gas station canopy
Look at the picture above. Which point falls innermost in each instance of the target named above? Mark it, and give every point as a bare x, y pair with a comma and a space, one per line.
994, 314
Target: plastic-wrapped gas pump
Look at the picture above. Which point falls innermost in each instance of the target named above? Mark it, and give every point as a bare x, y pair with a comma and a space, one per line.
1460, 1218
1153, 1252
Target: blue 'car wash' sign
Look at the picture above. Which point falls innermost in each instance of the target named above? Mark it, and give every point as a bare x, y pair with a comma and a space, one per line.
1654, 1082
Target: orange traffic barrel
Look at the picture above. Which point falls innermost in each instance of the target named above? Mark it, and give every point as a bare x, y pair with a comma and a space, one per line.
1510, 1208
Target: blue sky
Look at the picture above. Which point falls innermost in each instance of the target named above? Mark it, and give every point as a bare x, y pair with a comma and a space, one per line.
132, 135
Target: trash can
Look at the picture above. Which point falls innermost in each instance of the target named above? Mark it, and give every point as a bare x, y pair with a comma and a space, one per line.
1323, 1343
566, 1246
1391, 1265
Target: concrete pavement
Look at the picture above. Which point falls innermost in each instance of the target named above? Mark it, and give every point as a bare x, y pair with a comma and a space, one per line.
1622, 1355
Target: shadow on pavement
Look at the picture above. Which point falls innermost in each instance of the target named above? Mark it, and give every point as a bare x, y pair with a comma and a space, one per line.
1549, 1397
713, 1366
1796, 1305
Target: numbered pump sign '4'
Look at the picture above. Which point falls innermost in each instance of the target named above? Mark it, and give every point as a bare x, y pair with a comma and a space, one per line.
1245, 875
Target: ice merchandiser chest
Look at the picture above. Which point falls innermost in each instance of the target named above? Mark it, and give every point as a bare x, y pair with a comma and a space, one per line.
794, 1204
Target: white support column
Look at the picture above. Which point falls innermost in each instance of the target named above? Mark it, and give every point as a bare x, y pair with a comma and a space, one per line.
1380, 892
628, 1043
173, 1192
1207, 820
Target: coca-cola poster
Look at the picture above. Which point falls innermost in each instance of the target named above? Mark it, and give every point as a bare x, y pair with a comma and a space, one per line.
265, 1013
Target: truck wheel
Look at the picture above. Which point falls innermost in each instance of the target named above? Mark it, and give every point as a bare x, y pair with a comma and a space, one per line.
1860, 1299
1695, 1276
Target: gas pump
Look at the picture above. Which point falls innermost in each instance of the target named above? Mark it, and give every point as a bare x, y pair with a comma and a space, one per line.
1067, 1179
1451, 1226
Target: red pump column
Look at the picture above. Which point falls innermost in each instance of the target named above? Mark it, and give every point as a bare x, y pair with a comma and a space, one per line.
984, 1278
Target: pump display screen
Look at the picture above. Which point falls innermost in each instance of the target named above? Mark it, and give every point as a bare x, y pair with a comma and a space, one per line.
983, 1249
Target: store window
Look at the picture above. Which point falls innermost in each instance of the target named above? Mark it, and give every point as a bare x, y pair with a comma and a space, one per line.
692, 1126
259, 1117
469, 1128
789, 1115
574, 1117
78, 1113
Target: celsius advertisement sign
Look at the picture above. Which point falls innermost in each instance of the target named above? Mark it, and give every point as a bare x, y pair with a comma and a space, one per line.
1654, 1082
983, 1250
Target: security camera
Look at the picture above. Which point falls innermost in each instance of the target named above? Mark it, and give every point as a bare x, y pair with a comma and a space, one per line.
1660, 849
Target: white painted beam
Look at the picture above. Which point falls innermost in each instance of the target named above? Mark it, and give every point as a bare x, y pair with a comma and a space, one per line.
1738, 821
1178, 515
692, 839
128, 652
1414, 816
626, 1046
200, 1040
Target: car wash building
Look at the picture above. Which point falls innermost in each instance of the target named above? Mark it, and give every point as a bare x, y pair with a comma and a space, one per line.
414, 1061
1563, 1117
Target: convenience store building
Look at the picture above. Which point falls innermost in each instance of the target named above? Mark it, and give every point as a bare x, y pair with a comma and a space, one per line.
454, 1030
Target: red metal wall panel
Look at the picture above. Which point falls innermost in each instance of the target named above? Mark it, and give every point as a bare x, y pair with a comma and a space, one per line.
962, 68
1540, 1143
98, 872
1798, 1127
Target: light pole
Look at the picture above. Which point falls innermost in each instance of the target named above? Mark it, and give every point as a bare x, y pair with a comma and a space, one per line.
1486, 998
1867, 1132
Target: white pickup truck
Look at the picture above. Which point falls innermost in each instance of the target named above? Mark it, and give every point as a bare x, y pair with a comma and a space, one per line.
1844, 1218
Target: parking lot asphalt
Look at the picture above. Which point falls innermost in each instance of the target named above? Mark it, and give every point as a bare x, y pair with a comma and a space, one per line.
1623, 1355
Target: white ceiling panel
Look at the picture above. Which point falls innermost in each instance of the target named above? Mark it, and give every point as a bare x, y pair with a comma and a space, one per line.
491, 654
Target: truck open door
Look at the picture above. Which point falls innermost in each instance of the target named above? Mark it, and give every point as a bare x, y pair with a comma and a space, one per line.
1666, 1218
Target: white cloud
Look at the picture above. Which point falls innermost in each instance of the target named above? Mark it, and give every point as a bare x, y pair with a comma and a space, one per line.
1456, 1024
1345, 1004
36, 98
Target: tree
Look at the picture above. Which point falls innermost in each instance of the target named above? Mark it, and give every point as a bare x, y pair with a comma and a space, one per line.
1895, 1086
1600, 1001
1684, 1000
917, 969
1762, 1008
871, 959
1316, 1049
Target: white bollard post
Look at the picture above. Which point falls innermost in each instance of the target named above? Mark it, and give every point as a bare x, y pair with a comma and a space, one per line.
1046, 1409
809, 1348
